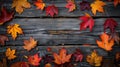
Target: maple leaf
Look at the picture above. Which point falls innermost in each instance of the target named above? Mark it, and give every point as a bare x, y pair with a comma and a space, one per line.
3, 63
30, 44
97, 6
52, 10
71, 5
48, 65
116, 2
20, 64
110, 23
94, 59
84, 5
34, 60
14, 29
105, 43
78, 55
3, 38
87, 22
5, 15
20, 5
62, 57
40, 5
10, 54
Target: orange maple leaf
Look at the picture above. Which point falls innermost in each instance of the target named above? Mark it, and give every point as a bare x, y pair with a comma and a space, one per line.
14, 30
10, 54
29, 44
105, 43
97, 6
62, 57
40, 5
116, 2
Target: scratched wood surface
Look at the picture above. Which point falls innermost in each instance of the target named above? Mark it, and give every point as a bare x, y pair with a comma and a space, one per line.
54, 31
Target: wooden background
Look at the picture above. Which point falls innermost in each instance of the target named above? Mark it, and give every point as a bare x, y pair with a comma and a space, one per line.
54, 31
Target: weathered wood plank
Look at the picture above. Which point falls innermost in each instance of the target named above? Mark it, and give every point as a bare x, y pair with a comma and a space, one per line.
110, 10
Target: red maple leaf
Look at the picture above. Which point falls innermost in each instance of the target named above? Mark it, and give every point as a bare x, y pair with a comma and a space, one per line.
5, 16
52, 10
34, 60
87, 22
110, 23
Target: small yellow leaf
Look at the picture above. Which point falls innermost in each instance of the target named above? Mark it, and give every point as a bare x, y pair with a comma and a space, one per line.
10, 54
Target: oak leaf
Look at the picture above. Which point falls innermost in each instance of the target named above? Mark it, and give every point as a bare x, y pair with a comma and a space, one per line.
40, 5
14, 29
52, 10
94, 59
34, 60
20, 5
105, 43
3, 38
87, 22
10, 54
20, 64
5, 15
30, 44
70, 5
84, 5
116, 2
97, 6
62, 57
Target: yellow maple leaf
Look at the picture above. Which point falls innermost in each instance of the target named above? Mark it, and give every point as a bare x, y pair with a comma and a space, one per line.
20, 5
94, 59
29, 44
40, 5
10, 54
14, 30
97, 6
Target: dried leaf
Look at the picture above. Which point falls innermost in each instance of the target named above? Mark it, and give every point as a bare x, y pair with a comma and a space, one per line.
116, 37
78, 55
20, 5
14, 30
10, 54
62, 57
30, 44
84, 5
94, 59
40, 5
52, 10
110, 23
5, 16
3, 38
105, 43
97, 5
87, 22
71, 6
20, 64
34, 60
48, 65
116, 2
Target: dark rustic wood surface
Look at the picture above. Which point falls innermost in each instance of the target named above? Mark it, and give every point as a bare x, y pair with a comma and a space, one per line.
53, 31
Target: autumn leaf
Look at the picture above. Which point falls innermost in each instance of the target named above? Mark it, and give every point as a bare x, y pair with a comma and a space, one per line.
71, 5
116, 37
30, 44
117, 56
10, 54
14, 30
40, 5
3, 63
97, 6
105, 43
20, 5
20, 64
5, 16
78, 55
116, 2
84, 5
48, 65
3, 38
110, 23
94, 59
87, 21
62, 57
34, 60
48, 59
51, 10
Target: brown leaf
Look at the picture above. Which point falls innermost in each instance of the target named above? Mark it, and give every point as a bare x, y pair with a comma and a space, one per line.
3, 38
